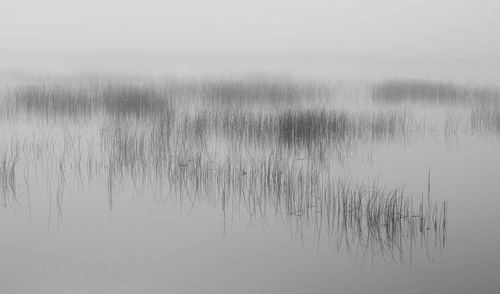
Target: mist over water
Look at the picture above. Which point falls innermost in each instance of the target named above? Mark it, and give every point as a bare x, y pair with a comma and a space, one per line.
249, 146
449, 40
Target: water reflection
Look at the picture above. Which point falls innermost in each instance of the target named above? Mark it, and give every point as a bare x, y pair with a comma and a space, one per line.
363, 218
307, 181
285, 157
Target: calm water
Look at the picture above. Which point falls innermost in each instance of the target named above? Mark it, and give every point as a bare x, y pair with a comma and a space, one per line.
90, 228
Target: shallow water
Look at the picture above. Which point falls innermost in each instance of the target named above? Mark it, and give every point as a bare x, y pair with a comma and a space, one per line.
65, 231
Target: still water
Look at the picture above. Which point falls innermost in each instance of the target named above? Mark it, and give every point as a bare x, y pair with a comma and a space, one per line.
65, 230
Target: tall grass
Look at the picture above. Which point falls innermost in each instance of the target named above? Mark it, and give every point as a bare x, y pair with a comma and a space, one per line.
419, 91
255, 90
8, 186
210, 142
302, 129
86, 97
485, 119
264, 184
358, 214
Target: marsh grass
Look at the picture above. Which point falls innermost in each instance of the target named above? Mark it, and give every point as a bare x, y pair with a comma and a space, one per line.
259, 90
87, 97
8, 185
228, 152
83, 101
485, 119
420, 91
51, 100
383, 221
302, 129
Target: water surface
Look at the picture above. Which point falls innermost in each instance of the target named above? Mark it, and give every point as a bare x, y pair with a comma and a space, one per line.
198, 194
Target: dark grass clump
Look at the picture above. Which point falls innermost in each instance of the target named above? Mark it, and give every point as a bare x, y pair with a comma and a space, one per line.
84, 101
485, 119
52, 101
400, 91
309, 127
299, 129
85, 97
8, 185
134, 100
262, 90
341, 128
237, 125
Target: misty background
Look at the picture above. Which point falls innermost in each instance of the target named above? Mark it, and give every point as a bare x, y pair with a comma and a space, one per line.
447, 39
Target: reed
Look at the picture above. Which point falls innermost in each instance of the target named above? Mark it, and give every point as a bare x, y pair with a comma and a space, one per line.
420, 91
85, 97
8, 185
192, 142
485, 119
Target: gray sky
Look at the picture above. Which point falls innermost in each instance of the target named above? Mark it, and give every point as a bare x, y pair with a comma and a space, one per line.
258, 34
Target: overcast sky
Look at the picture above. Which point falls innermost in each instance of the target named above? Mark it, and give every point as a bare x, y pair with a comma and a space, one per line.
259, 33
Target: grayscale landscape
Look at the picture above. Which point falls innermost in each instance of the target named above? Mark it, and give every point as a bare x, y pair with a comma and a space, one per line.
249, 147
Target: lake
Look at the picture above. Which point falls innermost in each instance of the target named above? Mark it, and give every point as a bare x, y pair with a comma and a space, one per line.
248, 185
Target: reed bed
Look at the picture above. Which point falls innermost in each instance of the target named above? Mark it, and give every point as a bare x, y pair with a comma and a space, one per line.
210, 142
88, 97
418, 91
250, 91
8, 185
303, 129
485, 119
264, 185
86, 101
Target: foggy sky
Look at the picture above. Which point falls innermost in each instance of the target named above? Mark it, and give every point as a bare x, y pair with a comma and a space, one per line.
135, 34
